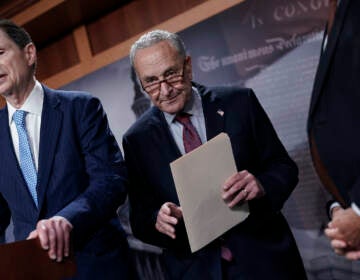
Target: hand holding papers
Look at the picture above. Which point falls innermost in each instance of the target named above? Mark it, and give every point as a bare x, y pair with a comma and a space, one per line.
198, 178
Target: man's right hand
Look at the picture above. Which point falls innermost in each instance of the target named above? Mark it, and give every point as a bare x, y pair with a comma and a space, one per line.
54, 235
168, 216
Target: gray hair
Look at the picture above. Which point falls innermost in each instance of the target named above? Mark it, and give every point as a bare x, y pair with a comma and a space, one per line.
153, 37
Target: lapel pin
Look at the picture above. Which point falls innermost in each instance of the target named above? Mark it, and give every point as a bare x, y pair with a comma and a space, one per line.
220, 112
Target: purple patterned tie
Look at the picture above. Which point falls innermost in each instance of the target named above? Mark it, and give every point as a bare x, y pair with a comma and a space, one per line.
191, 138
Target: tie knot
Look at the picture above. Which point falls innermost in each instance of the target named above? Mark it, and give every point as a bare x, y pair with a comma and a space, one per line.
183, 118
19, 118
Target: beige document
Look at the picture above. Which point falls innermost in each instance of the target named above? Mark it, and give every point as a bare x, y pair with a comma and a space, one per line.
198, 178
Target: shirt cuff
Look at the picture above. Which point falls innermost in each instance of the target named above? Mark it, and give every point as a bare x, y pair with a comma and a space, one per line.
355, 208
332, 206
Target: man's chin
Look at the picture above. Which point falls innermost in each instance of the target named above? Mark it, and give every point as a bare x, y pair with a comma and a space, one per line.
172, 107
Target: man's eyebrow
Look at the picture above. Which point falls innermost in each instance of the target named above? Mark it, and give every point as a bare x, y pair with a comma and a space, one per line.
171, 68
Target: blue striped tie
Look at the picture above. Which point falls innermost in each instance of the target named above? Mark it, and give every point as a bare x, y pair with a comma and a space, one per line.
27, 164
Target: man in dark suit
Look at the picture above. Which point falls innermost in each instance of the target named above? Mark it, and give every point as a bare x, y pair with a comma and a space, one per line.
262, 247
333, 126
61, 170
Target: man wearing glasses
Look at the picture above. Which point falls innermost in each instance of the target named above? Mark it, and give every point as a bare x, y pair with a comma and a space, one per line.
184, 116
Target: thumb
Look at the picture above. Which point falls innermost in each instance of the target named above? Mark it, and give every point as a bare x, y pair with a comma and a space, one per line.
33, 234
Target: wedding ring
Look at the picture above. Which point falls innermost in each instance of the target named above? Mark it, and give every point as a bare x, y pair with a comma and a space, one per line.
245, 191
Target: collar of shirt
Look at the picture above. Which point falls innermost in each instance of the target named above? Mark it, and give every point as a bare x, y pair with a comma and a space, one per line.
192, 107
33, 104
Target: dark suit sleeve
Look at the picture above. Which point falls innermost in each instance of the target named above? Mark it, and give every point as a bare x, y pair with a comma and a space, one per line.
4, 218
105, 169
143, 206
355, 192
276, 171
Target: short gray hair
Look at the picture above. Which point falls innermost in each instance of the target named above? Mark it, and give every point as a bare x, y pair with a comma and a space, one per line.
153, 37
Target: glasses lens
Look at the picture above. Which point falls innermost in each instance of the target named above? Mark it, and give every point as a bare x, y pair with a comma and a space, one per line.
153, 88
175, 80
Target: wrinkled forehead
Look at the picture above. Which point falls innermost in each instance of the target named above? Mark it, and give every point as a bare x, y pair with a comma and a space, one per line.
156, 59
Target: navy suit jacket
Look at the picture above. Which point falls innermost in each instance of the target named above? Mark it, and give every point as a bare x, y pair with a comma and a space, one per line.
263, 245
334, 111
81, 174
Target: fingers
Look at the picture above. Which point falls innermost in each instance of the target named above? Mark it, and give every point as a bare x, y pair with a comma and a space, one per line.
331, 225
333, 233
240, 197
66, 227
54, 235
352, 255
167, 218
338, 244
62, 238
341, 248
32, 235
43, 232
235, 184
175, 211
343, 232
240, 187
235, 178
51, 237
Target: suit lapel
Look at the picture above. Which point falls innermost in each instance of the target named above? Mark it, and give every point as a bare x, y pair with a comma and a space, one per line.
10, 166
51, 122
161, 134
214, 113
8, 157
327, 56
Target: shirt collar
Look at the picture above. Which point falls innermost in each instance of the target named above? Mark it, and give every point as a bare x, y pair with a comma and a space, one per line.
33, 103
192, 107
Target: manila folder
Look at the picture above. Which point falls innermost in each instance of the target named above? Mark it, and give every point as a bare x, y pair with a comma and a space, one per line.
199, 176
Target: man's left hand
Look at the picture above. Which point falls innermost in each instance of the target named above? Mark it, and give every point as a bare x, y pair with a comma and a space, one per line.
344, 233
240, 187
341, 248
54, 235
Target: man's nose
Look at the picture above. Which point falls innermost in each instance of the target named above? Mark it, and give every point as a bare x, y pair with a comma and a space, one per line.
165, 89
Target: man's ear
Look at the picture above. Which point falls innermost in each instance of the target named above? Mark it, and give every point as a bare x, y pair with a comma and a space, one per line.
188, 67
30, 53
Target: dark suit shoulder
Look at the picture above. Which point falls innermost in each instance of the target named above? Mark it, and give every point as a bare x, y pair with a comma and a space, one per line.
224, 92
71, 99
68, 95
142, 125
229, 96
229, 91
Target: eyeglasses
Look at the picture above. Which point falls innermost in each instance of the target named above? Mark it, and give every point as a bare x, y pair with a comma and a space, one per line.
173, 79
